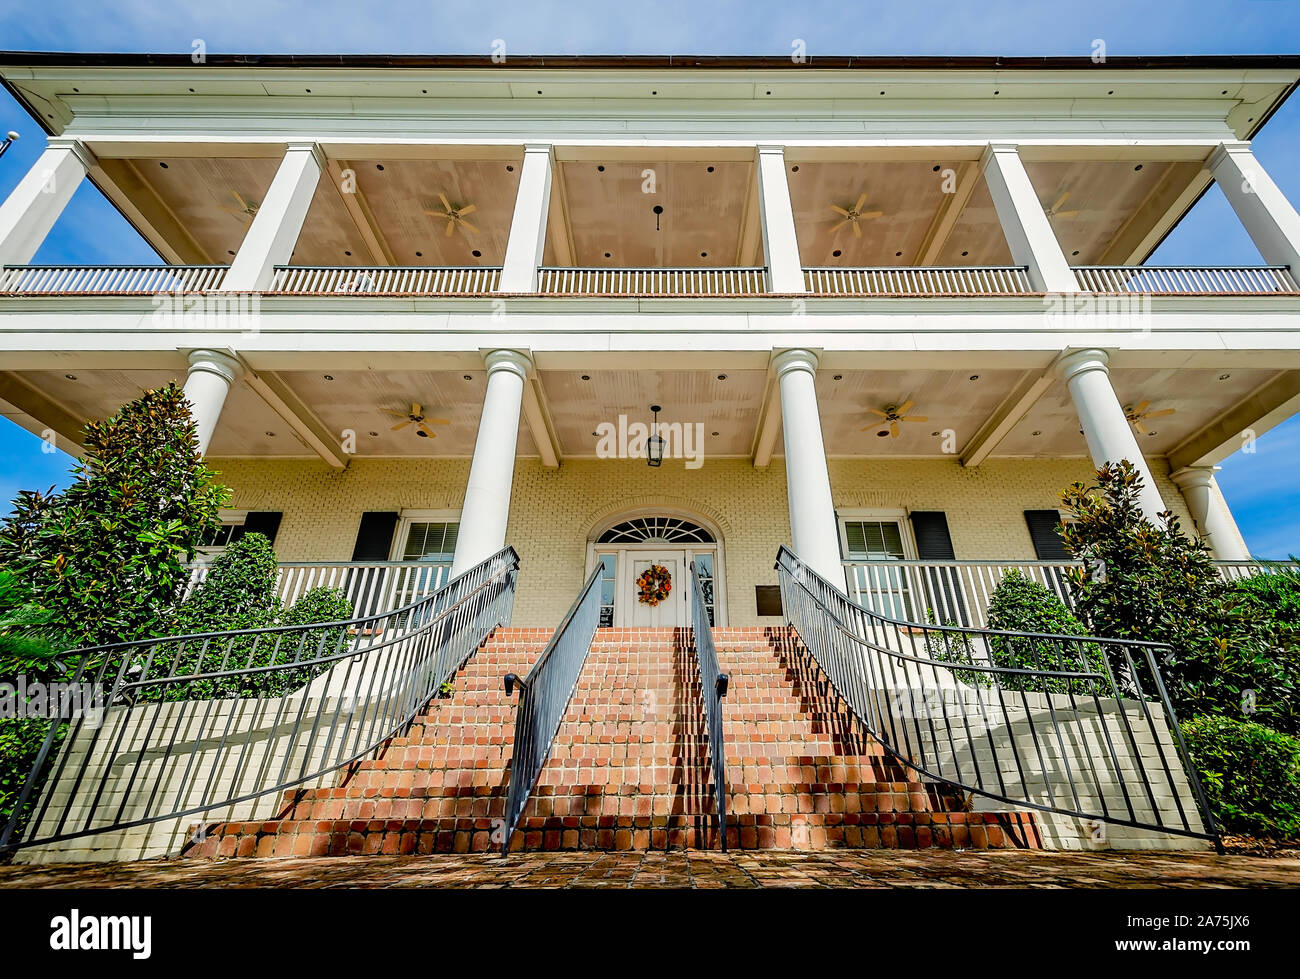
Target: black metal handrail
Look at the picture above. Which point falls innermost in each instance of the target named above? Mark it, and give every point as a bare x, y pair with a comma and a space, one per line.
184, 725
544, 696
1080, 728
713, 687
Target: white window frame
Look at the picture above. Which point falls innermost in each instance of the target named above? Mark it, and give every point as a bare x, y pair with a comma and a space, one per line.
896, 515
406, 518
227, 518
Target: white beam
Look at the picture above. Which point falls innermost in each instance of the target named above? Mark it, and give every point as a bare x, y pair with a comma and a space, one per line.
1267, 406
945, 219
363, 219
1031, 386
286, 403
537, 415
1028, 232
780, 243
769, 424
271, 237
30, 210
48, 414
527, 241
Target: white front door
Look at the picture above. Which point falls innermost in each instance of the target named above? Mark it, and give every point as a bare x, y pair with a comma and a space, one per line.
672, 610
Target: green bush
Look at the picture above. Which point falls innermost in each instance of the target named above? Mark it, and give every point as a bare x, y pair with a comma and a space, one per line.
959, 649
1270, 603
1251, 775
1021, 605
1141, 581
319, 605
106, 558
20, 742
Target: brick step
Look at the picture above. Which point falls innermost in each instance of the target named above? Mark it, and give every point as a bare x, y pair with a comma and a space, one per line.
630, 769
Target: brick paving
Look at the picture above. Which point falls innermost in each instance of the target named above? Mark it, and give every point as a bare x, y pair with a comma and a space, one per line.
686, 869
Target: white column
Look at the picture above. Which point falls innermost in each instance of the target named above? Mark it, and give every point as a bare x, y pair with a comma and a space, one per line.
1110, 436
211, 374
1268, 216
271, 237
487, 495
1210, 511
780, 244
816, 538
31, 209
527, 239
1028, 232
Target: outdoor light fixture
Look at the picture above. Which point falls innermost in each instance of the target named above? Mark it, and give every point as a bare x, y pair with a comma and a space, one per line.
654, 446
8, 139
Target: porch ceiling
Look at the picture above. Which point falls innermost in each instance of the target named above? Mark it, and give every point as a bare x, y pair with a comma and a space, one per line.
727, 403
932, 211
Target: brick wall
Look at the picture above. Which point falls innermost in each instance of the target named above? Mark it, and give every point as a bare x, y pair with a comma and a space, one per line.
554, 511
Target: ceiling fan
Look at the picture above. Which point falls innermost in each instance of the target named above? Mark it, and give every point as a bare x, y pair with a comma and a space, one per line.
416, 417
455, 216
247, 209
1137, 415
852, 215
1055, 210
893, 414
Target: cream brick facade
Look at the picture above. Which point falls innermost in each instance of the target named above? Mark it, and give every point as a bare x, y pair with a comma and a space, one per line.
554, 512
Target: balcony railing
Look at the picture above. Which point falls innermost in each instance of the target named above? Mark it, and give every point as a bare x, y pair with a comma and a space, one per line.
373, 587
324, 280
555, 281
1002, 280
108, 280
920, 282
959, 592
1184, 280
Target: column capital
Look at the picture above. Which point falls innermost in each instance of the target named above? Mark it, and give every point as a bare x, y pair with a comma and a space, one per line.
546, 148
308, 146
774, 148
515, 361
1228, 148
76, 147
222, 363
1071, 363
798, 359
992, 149
1194, 477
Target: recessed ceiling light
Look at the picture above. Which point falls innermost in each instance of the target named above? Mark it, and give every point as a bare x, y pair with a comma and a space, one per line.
510, 168
838, 377
795, 168
162, 164
704, 254
476, 253
469, 377
715, 434
1035, 433
1152, 434
419, 254
898, 254
722, 377
1224, 377
1138, 167
964, 254
974, 377
935, 168
229, 252
837, 253
607, 254
883, 433
328, 377
374, 435
379, 166
586, 377
934, 433
600, 168
269, 434
1075, 252
347, 253
708, 169
70, 377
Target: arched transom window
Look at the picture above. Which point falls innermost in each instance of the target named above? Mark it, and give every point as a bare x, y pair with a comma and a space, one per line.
668, 530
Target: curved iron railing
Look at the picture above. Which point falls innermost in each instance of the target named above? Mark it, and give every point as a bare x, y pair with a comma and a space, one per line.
713, 687
1081, 726
544, 696
185, 725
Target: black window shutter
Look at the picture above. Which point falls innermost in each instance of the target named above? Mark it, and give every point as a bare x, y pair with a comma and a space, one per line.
375, 536
942, 585
1048, 545
265, 522
933, 542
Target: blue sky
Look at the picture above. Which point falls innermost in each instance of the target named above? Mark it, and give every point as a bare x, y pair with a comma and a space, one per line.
1261, 488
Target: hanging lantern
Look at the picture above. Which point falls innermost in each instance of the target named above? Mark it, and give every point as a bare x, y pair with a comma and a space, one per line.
654, 446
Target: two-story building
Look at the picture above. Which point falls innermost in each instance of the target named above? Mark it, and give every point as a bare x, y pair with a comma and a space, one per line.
882, 310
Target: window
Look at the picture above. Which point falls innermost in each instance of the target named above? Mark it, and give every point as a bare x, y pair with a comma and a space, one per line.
433, 541
873, 540
704, 565
608, 580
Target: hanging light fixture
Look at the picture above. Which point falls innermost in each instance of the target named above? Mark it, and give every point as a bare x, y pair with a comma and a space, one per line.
654, 446
8, 141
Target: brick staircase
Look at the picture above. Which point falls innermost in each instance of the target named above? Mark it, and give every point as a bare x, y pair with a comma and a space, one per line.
630, 768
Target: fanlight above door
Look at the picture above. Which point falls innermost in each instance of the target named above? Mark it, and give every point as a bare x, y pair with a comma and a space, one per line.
655, 530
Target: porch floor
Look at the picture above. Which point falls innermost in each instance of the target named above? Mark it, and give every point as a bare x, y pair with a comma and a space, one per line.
687, 869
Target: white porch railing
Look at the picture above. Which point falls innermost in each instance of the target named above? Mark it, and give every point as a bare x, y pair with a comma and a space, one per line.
1008, 280
372, 587
1184, 280
959, 592
113, 280
322, 280
557, 281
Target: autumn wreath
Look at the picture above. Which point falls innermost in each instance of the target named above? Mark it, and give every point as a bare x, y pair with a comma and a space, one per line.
653, 585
